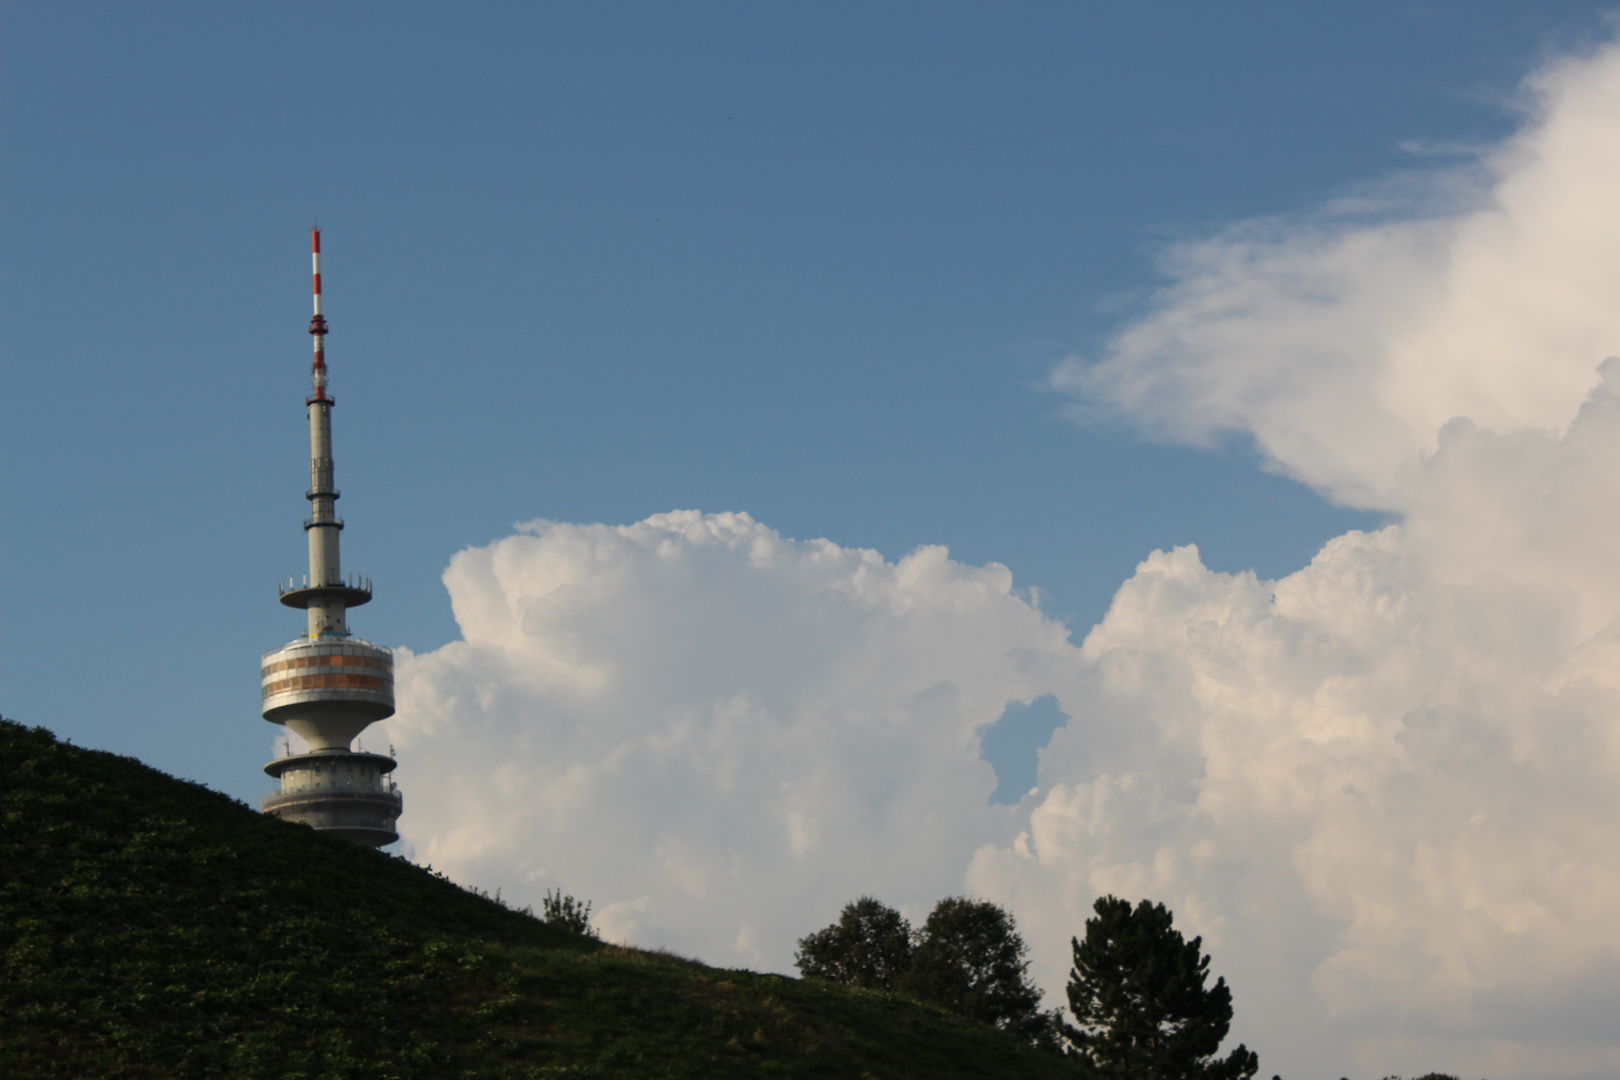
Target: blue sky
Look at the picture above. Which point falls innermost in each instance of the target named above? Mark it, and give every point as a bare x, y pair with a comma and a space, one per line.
593, 263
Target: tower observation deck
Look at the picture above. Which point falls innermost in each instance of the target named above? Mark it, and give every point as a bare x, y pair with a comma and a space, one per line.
328, 686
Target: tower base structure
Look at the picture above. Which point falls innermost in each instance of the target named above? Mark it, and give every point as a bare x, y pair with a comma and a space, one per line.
345, 792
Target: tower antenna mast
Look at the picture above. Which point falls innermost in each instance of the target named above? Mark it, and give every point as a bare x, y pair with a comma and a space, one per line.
317, 323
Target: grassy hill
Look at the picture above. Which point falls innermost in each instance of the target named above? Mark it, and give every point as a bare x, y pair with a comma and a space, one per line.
153, 928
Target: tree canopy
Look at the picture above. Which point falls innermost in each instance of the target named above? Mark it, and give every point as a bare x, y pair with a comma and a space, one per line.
869, 946
971, 960
1137, 989
967, 958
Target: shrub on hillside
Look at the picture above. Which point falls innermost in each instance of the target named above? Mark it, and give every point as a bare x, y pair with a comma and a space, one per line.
565, 913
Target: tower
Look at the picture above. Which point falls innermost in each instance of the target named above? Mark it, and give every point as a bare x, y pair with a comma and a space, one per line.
326, 685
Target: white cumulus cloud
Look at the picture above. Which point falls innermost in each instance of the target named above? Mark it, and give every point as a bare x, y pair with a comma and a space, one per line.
719, 733
1383, 788
1385, 784
1343, 342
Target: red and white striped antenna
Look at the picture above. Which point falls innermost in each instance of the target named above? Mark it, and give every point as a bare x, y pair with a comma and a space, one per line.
317, 324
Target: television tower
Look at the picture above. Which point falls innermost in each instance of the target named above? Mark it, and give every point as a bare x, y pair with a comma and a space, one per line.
328, 686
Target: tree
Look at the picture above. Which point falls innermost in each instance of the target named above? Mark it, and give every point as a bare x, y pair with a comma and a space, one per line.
869, 946
971, 960
1137, 989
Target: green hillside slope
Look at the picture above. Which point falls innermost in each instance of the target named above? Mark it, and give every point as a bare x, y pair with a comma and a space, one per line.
154, 928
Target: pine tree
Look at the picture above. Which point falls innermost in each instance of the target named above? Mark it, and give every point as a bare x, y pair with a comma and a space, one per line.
1137, 989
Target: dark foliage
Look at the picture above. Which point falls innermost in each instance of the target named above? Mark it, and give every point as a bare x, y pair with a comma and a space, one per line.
967, 959
869, 946
1137, 989
151, 928
971, 960
566, 914
154, 928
